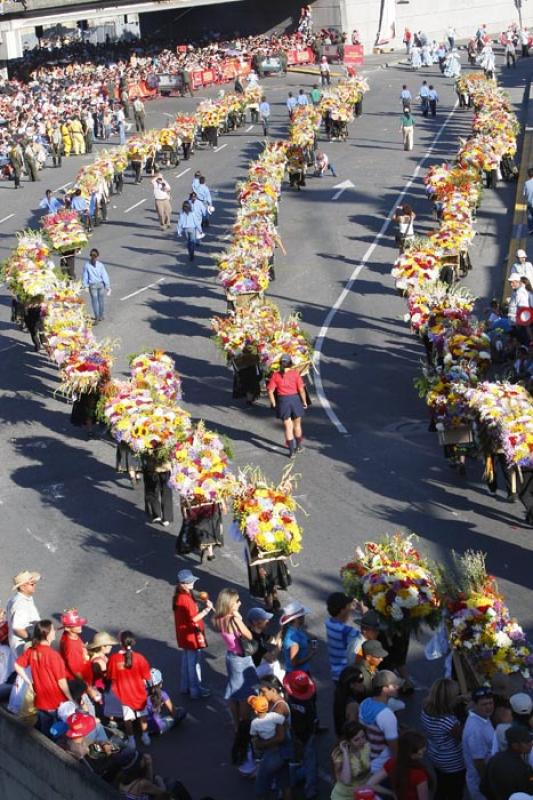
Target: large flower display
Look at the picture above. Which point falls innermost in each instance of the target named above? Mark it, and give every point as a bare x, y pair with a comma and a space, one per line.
200, 467
394, 579
265, 515
64, 230
478, 622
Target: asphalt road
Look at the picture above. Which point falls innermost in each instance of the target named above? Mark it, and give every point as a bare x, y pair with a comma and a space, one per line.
67, 514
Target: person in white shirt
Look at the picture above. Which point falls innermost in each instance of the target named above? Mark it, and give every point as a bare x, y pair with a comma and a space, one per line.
477, 739
163, 205
522, 267
21, 611
524, 41
325, 72
265, 722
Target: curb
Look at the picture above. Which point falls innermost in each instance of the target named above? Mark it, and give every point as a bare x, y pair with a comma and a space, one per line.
360, 67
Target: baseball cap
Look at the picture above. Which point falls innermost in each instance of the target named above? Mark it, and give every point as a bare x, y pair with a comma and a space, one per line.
186, 576
518, 734
521, 254
374, 649
521, 703
370, 620
285, 359
336, 602
258, 615
480, 692
385, 677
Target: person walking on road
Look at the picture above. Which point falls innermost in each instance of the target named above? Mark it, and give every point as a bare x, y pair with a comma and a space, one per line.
325, 72
433, 100
190, 633
302, 99
291, 104
30, 165
139, 114
286, 393
16, 159
203, 193
406, 98
510, 53
264, 114
96, 280
163, 205
424, 98
189, 227
157, 493
407, 125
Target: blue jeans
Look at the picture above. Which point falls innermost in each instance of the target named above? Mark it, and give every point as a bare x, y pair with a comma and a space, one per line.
97, 292
265, 121
272, 766
190, 236
191, 672
307, 771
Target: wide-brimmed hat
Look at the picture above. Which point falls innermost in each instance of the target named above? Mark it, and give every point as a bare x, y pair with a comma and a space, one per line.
293, 611
25, 577
186, 577
80, 724
71, 619
102, 639
299, 685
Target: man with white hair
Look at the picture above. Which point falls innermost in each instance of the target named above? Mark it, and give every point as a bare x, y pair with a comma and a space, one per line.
522, 267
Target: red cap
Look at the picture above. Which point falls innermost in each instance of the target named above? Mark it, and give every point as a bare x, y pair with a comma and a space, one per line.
299, 685
80, 724
4, 630
72, 619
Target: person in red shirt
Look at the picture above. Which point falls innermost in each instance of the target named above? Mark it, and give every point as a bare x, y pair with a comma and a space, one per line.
286, 392
406, 773
73, 649
129, 671
190, 634
48, 674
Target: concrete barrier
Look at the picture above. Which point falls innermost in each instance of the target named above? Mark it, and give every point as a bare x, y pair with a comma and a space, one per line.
34, 768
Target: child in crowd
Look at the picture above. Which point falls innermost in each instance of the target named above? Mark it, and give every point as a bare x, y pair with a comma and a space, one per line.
265, 722
162, 715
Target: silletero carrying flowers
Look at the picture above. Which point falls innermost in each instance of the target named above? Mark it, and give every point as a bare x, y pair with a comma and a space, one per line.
200, 467
396, 581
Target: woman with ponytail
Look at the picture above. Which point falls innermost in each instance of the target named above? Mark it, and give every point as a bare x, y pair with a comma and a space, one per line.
129, 671
48, 674
286, 392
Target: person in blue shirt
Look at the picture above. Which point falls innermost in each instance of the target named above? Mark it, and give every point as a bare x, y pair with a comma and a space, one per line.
189, 227
96, 280
297, 649
303, 100
433, 100
204, 195
196, 180
406, 98
291, 104
264, 114
424, 98
81, 205
50, 203
338, 632
198, 208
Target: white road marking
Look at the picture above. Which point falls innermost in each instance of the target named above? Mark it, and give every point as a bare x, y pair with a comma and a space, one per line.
220, 147
324, 402
249, 129
65, 186
135, 206
6, 218
143, 587
150, 286
342, 188
185, 171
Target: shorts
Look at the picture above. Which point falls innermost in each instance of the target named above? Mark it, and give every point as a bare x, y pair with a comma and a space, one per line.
289, 406
130, 714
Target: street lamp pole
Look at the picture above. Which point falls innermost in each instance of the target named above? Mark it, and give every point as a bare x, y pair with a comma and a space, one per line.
518, 4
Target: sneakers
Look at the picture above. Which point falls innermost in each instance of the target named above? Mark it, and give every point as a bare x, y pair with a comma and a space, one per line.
165, 523
145, 739
156, 519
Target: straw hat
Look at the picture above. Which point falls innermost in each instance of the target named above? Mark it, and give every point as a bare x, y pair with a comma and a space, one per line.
101, 639
25, 577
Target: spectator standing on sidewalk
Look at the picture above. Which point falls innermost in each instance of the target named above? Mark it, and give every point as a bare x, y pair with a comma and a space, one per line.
162, 202
96, 280
477, 740
339, 632
190, 633
21, 611
129, 672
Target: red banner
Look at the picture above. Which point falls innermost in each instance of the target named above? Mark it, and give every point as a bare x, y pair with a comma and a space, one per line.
354, 54
207, 77
196, 78
301, 56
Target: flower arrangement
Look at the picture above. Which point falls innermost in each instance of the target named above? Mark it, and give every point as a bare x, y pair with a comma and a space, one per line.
200, 467
393, 578
287, 339
64, 230
265, 515
155, 370
479, 623
247, 329
84, 370
505, 410
185, 127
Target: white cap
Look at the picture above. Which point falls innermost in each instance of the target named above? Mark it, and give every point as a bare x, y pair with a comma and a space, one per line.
521, 254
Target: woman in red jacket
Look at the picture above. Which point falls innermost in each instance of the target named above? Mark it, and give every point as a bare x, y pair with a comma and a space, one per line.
190, 634
48, 674
287, 395
129, 671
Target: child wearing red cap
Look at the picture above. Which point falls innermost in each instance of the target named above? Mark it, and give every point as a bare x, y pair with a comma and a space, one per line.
72, 648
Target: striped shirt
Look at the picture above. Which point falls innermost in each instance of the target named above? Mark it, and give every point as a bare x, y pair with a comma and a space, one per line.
339, 635
381, 727
443, 749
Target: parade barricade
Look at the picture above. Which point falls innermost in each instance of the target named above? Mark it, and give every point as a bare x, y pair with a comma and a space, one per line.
305, 56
